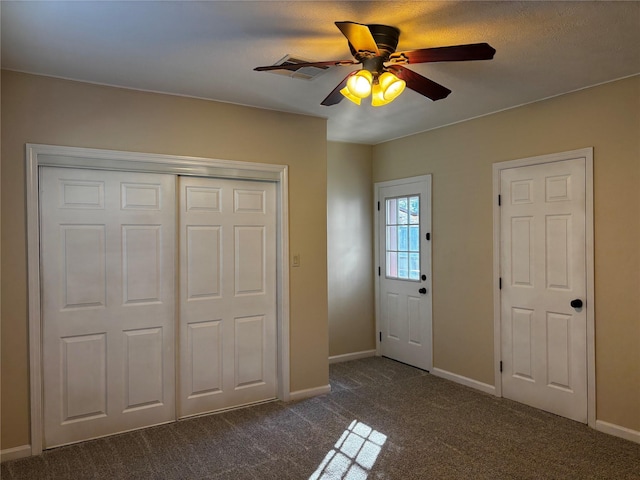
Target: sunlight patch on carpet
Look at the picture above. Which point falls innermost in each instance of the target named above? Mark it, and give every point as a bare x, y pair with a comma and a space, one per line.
353, 455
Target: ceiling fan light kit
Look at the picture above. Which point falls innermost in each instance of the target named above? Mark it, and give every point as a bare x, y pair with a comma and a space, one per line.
360, 84
391, 86
383, 88
347, 94
377, 97
383, 75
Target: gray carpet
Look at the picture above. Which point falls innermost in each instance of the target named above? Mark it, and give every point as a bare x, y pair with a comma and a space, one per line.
382, 420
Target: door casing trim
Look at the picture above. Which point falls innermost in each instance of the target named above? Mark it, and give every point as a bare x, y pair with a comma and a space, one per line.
89, 158
587, 154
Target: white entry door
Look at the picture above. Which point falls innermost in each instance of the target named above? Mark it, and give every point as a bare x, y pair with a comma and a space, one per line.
108, 302
543, 296
227, 293
404, 280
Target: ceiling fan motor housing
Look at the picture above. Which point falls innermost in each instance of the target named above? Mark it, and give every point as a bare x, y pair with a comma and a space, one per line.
386, 39
374, 64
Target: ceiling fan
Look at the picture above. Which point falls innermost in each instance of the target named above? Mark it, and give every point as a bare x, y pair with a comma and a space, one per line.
383, 74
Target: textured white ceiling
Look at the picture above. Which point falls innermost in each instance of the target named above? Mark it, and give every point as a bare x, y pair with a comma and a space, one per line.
209, 50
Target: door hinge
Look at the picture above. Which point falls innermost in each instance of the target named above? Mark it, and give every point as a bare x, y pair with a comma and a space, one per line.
378, 206
499, 200
380, 335
500, 366
428, 236
378, 271
500, 283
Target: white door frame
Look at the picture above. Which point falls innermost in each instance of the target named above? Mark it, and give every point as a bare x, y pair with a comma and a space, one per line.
376, 241
587, 154
88, 158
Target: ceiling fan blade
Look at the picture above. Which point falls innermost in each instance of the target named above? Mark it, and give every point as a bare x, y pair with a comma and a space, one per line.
420, 84
296, 66
456, 53
335, 96
359, 36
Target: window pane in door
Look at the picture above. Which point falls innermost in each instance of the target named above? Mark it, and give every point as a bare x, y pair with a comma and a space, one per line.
403, 241
392, 264
391, 211
403, 238
403, 211
392, 238
403, 265
414, 238
414, 210
414, 266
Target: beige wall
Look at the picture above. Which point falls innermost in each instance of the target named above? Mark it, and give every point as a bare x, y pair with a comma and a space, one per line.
59, 112
460, 157
42, 110
349, 248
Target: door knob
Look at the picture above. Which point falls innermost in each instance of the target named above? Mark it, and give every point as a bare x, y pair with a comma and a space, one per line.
577, 303
422, 290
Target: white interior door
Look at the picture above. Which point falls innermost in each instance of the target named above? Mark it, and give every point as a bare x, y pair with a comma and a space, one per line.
108, 301
543, 274
404, 281
227, 293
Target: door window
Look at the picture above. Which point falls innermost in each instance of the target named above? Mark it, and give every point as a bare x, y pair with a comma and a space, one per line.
403, 238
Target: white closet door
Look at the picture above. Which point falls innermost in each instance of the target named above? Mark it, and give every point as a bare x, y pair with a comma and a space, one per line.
544, 310
227, 293
108, 302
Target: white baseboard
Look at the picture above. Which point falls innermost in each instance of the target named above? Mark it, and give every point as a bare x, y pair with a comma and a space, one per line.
309, 392
469, 382
345, 357
618, 431
15, 453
